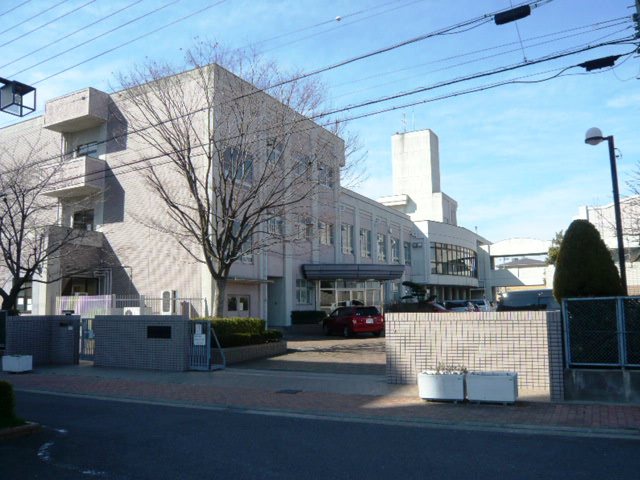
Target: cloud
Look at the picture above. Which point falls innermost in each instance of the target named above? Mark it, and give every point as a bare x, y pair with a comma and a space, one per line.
625, 101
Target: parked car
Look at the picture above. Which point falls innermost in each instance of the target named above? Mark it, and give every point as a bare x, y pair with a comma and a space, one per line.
468, 305
355, 319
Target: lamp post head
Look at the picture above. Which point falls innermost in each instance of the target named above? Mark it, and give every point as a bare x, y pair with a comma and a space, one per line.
593, 136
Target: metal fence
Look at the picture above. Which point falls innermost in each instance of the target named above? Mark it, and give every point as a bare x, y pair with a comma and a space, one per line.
88, 306
602, 332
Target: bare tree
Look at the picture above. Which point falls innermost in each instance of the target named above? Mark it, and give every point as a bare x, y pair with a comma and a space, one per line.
237, 169
29, 240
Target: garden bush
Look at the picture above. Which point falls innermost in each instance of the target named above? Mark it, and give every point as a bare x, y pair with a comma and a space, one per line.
237, 332
584, 267
307, 317
8, 406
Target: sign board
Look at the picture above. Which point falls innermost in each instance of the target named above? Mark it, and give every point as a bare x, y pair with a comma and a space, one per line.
199, 340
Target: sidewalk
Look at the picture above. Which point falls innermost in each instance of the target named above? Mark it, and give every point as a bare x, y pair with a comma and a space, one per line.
328, 395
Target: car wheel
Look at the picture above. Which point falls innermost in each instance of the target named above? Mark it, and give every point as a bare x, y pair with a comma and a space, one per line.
326, 330
377, 334
346, 332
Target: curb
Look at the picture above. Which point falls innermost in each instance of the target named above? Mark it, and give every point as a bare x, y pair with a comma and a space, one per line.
20, 431
514, 428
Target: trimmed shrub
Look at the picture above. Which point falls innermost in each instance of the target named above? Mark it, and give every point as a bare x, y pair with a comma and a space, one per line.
239, 332
8, 406
584, 267
307, 317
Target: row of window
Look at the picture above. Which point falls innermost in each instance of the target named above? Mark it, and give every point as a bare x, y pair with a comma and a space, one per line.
238, 165
453, 260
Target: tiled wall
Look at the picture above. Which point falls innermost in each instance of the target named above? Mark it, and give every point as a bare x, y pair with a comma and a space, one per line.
529, 343
122, 342
49, 339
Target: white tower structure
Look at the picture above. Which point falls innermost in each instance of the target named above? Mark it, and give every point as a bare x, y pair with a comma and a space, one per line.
416, 179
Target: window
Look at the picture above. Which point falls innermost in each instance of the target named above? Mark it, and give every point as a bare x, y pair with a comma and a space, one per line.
83, 220
407, 253
347, 238
365, 243
275, 151
304, 292
325, 233
87, 149
238, 165
325, 175
23, 302
237, 303
303, 165
382, 247
395, 250
247, 254
275, 226
453, 260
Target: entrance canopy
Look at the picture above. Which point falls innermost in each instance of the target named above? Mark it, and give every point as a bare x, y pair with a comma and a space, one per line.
331, 271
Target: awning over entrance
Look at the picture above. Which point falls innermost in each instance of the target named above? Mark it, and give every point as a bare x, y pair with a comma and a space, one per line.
330, 271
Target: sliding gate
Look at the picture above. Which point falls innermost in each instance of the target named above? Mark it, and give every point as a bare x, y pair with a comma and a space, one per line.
199, 345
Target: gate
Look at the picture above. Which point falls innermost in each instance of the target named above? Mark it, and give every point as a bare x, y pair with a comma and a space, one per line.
87, 339
199, 345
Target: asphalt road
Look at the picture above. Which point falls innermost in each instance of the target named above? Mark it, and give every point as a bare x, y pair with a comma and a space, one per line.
86, 438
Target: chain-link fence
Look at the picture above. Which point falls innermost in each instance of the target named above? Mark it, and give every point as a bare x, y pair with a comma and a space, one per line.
602, 331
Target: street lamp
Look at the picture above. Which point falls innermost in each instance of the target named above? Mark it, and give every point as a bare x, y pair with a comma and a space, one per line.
594, 137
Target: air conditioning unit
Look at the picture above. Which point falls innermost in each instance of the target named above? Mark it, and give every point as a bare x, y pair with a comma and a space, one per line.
416, 245
168, 302
131, 311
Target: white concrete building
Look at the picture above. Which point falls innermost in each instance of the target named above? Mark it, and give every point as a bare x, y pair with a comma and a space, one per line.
603, 218
352, 248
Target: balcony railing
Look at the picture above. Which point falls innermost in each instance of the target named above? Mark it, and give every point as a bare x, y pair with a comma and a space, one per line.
79, 177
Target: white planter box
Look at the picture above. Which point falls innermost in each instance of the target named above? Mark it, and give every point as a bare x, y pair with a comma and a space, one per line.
441, 386
492, 387
17, 363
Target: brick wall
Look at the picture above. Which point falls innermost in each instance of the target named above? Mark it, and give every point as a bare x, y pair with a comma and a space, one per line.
529, 343
51, 340
123, 342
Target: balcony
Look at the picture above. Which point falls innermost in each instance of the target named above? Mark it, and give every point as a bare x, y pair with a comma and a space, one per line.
77, 111
79, 177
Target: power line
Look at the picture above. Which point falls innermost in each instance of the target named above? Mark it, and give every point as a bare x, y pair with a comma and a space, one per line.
34, 16
48, 23
323, 69
343, 24
339, 18
14, 8
481, 19
135, 163
486, 57
129, 22
599, 26
71, 34
130, 41
393, 97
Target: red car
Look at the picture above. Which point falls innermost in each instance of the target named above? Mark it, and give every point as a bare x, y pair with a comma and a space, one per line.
349, 320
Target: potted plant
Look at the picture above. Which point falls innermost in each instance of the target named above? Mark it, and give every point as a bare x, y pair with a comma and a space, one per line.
446, 382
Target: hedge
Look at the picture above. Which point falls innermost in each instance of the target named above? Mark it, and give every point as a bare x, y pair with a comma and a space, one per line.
307, 317
8, 406
241, 331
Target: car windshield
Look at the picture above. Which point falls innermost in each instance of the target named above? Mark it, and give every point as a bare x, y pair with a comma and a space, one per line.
367, 311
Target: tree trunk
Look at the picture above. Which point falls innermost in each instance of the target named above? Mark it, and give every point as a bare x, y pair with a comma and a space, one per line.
219, 296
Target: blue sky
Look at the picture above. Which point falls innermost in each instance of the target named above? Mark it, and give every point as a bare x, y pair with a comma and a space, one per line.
513, 157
